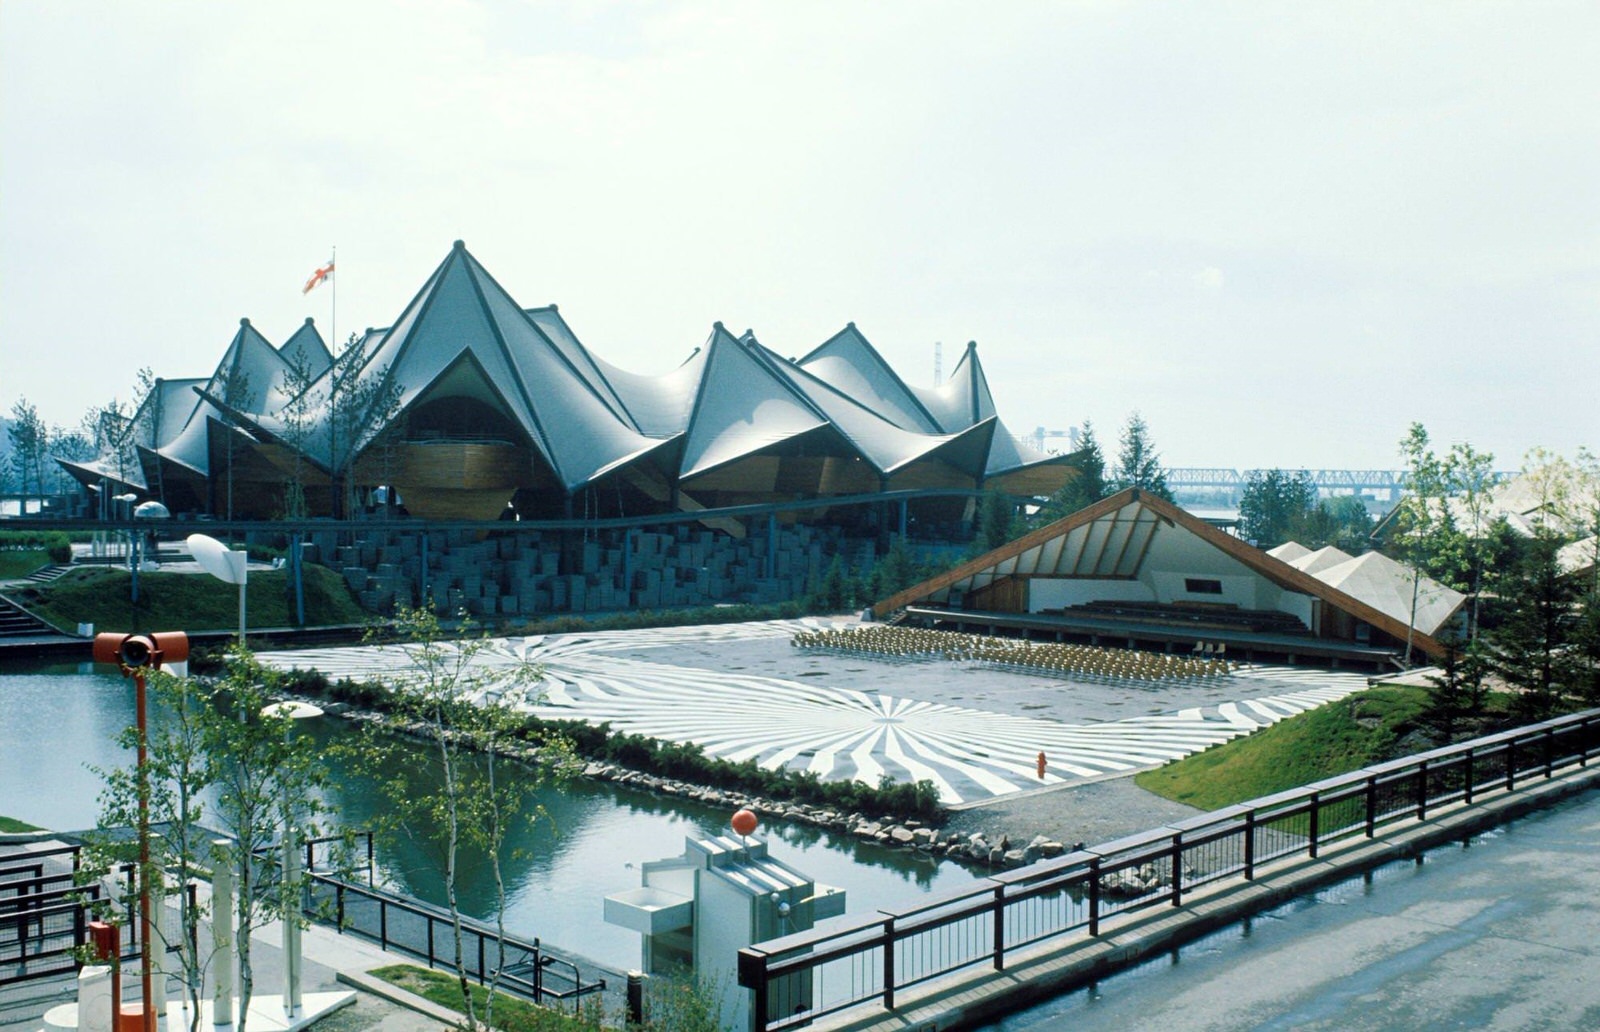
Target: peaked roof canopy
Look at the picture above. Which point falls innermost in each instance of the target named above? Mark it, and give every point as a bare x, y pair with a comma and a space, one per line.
466, 366
1134, 546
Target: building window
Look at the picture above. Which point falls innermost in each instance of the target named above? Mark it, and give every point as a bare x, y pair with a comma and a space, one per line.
1199, 586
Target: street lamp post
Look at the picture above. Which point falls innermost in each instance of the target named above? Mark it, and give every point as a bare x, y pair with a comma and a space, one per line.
225, 565
134, 654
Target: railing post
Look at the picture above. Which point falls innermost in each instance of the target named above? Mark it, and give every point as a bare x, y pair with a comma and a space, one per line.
1094, 897
761, 989
1372, 805
383, 928
1249, 845
80, 930
1315, 814
338, 896
369, 859
1422, 790
1549, 753
1466, 791
1511, 764
430, 940
999, 927
483, 970
1177, 869
1583, 742
888, 963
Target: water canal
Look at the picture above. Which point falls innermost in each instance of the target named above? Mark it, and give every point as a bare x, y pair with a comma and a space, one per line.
57, 721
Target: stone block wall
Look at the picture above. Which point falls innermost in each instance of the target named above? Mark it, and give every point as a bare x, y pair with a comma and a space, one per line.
515, 573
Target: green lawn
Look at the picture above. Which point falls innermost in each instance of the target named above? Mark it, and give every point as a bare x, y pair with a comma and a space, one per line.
1342, 736
20, 562
10, 825
510, 1014
189, 602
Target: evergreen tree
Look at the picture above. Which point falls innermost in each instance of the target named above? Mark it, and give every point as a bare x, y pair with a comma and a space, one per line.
29, 441
1088, 487
1275, 506
996, 522
1528, 645
1138, 462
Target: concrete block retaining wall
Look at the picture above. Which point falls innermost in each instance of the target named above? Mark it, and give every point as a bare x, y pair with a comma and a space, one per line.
537, 572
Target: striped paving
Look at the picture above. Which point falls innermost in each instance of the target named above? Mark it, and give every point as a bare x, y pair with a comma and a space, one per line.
841, 732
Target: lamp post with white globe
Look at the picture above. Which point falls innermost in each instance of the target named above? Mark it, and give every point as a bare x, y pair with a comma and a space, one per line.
223, 563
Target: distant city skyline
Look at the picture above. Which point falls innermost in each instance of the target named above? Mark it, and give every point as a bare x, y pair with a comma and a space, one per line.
1282, 234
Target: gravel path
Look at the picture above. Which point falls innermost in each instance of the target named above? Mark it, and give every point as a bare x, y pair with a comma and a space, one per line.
1091, 813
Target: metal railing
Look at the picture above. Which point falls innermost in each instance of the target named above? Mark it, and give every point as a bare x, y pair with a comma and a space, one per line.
800, 977
45, 915
427, 933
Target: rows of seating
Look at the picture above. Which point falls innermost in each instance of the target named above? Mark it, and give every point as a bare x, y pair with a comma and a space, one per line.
886, 642
1210, 616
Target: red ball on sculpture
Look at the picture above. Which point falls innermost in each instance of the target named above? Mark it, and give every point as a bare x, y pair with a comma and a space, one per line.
744, 822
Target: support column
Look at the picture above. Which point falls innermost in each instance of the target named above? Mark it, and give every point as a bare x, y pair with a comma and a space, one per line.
221, 934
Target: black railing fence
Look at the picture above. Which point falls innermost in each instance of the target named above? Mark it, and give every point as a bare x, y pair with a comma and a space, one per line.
425, 932
45, 913
867, 960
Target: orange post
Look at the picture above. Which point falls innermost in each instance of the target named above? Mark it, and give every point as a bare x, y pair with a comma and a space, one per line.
1040, 764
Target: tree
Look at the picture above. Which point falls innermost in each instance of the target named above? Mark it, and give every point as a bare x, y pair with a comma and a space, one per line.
1471, 482
1138, 463
1528, 644
263, 775
1342, 521
1088, 487
1578, 665
1425, 535
996, 522
179, 775
216, 741
29, 442
1275, 506
464, 709
298, 383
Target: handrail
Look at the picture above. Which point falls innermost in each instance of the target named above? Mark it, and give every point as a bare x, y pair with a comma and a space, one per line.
529, 956
815, 973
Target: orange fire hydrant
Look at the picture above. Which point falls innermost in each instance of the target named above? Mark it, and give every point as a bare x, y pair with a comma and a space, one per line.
1040, 764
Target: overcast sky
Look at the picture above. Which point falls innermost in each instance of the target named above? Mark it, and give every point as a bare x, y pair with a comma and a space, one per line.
1280, 231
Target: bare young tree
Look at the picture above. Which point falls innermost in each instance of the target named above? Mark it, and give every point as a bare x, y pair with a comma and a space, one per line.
469, 797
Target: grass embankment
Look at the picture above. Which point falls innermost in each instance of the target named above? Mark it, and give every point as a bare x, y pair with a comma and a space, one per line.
19, 562
510, 1013
11, 826
1342, 736
192, 602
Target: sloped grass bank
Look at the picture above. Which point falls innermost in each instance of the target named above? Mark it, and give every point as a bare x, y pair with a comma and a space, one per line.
1339, 737
188, 602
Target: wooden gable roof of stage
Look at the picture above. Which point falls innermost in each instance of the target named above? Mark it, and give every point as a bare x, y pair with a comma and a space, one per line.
1110, 540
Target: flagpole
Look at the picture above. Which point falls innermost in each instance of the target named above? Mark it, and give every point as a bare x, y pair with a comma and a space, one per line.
333, 315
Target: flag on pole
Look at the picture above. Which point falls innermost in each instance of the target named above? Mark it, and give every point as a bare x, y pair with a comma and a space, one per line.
323, 273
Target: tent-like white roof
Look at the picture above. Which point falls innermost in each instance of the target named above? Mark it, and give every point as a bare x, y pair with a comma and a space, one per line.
463, 339
1387, 586
1289, 551
1321, 559
741, 408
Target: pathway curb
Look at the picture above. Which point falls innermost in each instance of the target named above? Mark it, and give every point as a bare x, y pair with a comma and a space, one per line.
394, 994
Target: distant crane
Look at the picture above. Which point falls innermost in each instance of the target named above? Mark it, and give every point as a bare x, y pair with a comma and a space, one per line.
938, 363
1040, 435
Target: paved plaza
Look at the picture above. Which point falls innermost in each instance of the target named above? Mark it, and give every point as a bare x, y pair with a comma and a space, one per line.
742, 692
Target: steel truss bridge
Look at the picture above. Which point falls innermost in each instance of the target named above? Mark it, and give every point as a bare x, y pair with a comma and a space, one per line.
1387, 483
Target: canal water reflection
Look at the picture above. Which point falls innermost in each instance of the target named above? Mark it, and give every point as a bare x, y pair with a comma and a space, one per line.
56, 720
